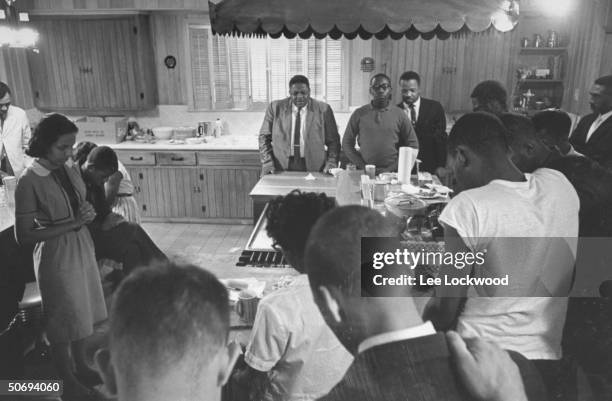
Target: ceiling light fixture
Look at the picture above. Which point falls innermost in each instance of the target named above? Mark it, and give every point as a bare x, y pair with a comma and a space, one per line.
14, 27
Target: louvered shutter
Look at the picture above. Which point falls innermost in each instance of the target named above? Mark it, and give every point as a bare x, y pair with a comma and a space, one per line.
239, 72
334, 73
200, 69
220, 59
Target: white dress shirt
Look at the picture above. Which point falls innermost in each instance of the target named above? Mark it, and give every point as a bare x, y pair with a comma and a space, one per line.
303, 112
14, 137
291, 341
598, 121
422, 330
417, 108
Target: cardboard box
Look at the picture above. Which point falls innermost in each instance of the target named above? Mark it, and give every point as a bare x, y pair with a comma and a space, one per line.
102, 131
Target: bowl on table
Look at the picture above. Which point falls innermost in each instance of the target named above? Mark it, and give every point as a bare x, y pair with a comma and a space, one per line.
405, 205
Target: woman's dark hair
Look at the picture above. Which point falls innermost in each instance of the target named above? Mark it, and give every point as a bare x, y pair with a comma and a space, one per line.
48, 131
291, 217
103, 158
81, 151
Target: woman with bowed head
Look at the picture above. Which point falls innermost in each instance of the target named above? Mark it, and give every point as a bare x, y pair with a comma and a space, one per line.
52, 213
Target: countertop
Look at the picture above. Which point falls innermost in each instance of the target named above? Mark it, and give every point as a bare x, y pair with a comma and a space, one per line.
230, 142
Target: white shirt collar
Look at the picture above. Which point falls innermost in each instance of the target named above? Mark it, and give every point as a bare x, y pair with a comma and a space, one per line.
294, 108
573, 152
422, 330
604, 117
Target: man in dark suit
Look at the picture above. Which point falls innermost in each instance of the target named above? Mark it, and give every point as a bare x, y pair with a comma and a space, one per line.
296, 132
397, 356
429, 121
593, 135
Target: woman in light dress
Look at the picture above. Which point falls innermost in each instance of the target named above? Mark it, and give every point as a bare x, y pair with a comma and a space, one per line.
52, 213
119, 188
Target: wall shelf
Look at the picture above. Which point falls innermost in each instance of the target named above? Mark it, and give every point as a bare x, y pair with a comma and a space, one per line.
541, 81
543, 50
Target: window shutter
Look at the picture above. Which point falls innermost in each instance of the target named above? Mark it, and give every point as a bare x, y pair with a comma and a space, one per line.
333, 74
200, 71
278, 69
239, 72
220, 56
314, 64
258, 66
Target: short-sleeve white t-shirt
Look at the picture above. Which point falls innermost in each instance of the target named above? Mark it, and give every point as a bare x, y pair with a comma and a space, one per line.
530, 231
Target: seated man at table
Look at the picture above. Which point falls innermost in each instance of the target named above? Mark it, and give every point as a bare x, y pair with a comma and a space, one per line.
169, 326
292, 353
380, 129
299, 133
528, 225
397, 355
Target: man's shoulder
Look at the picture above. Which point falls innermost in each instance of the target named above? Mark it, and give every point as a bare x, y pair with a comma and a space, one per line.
18, 112
431, 103
319, 105
275, 104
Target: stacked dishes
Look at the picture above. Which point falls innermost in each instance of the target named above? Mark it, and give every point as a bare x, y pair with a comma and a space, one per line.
405, 205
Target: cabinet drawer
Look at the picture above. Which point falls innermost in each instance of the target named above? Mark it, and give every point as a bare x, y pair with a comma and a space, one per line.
136, 158
176, 158
220, 158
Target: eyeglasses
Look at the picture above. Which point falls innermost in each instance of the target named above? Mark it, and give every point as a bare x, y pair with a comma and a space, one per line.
382, 86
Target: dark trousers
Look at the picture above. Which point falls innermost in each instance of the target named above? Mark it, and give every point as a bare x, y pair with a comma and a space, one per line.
559, 377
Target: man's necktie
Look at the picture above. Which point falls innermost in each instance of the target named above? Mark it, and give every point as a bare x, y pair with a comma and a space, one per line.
296, 134
412, 113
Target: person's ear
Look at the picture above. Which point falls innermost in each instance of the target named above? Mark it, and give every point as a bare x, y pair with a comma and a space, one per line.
229, 356
462, 156
330, 303
105, 368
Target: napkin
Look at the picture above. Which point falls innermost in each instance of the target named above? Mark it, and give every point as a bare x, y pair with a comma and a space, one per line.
407, 158
310, 177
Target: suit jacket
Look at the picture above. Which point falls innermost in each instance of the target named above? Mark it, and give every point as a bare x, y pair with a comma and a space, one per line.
431, 131
321, 131
593, 184
418, 369
599, 146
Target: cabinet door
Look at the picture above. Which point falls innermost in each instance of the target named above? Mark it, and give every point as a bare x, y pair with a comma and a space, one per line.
226, 193
141, 178
94, 65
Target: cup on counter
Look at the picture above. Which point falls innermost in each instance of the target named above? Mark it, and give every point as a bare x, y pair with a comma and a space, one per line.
10, 184
246, 306
370, 171
381, 189
367, 188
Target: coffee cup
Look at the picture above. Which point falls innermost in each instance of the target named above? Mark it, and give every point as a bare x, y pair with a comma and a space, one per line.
246, 306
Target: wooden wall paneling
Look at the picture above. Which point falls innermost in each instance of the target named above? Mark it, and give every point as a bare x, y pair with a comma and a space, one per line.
587, 37
70, 31
14, 70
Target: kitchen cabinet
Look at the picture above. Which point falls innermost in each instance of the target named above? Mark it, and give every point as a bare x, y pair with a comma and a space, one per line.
205, 186
96, 65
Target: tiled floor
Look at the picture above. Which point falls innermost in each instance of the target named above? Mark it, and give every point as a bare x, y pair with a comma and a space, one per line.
215, 247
